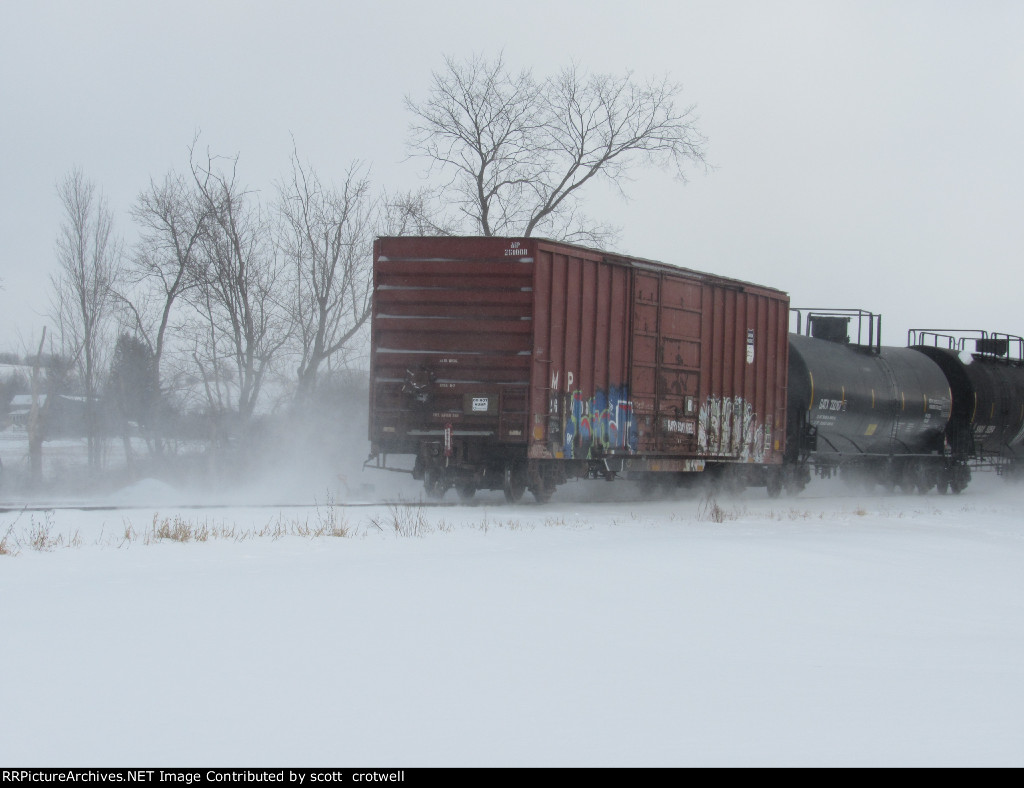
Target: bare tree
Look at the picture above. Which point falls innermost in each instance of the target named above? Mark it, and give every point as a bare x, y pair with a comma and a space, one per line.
238, 286
517, 152
89, 260
171, 220
326, 236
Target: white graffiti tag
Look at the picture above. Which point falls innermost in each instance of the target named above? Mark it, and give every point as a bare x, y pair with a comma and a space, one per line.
729, 427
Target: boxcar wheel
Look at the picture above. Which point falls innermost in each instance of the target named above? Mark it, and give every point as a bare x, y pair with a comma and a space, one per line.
433, 484
514, 485
466, 491
796, 479
542, 492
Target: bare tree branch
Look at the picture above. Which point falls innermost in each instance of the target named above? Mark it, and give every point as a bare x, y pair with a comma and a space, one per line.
325, 235
238, 277
172, 221
515, 153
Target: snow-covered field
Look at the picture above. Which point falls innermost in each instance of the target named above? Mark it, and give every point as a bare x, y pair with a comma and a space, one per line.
832, 629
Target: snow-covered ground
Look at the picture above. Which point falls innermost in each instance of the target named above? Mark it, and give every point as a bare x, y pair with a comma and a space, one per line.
832, 629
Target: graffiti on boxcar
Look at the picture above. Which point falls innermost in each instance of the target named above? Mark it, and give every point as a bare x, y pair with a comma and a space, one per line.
729, 426
604, 421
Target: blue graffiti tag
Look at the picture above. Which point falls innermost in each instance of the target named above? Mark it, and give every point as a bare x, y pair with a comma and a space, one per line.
605, 421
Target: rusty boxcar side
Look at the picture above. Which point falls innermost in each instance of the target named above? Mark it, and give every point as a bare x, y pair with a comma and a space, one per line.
514, 363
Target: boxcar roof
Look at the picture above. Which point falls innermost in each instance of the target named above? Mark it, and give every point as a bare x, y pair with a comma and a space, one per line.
615, 258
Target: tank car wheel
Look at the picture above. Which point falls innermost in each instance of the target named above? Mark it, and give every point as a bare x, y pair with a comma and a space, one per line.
961, 478
927, 477
943, 480
915, 478
889, 476
1012, 473
906, 478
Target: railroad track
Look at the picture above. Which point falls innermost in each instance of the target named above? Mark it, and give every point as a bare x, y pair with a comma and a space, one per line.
17, 508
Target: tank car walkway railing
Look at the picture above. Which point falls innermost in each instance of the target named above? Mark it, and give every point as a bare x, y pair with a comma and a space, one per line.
862, 328
993, 346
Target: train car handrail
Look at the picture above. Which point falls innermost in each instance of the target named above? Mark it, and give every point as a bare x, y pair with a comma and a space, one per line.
868, 325
990, 345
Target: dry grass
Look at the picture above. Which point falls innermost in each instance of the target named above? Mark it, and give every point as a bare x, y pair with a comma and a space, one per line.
177, 529
709, 509
39, 536
7, 543
402, 521
411, 520
330, 520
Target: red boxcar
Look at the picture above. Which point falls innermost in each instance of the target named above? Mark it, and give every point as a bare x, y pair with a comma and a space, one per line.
515, 363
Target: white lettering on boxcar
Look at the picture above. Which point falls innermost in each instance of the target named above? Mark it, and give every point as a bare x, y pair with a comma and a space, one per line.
677, 425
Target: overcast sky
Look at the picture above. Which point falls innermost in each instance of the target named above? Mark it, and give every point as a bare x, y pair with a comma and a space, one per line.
867, 154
